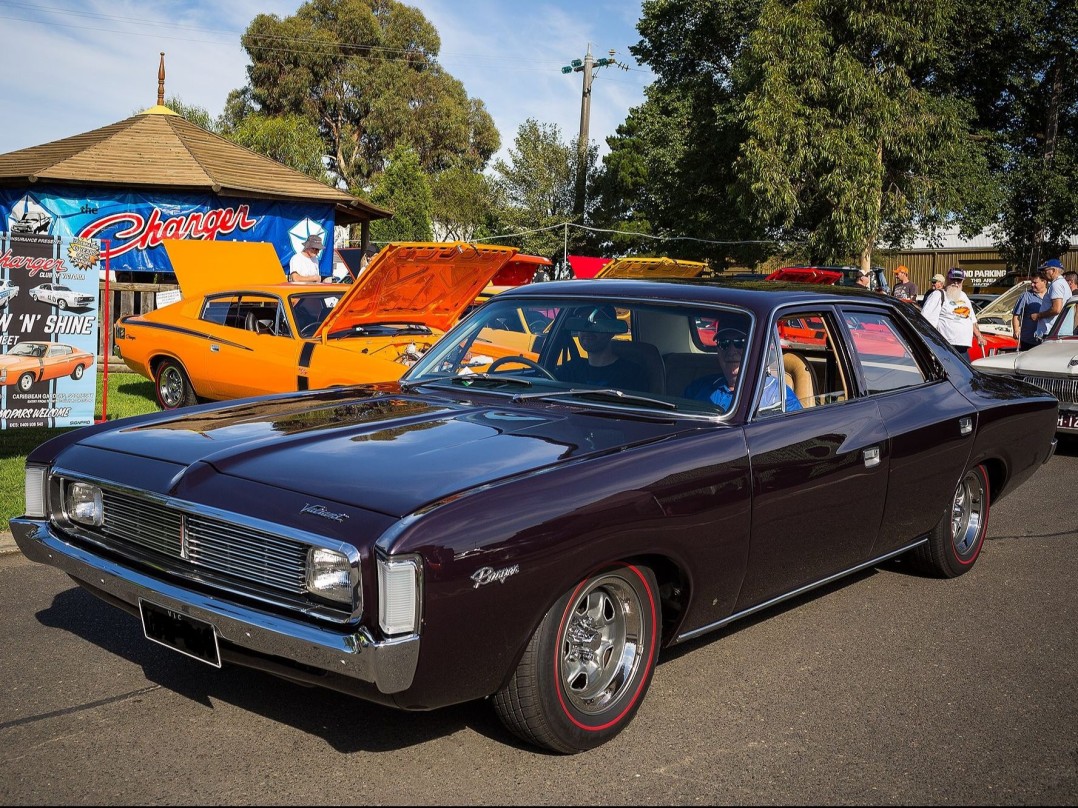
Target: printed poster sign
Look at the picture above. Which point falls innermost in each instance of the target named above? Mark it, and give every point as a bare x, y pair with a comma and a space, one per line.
49, 330
133, 225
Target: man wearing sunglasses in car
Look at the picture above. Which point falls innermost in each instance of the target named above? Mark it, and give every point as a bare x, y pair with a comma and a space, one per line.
719, 388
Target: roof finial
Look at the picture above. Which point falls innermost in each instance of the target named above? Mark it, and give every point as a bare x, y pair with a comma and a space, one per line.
161, 81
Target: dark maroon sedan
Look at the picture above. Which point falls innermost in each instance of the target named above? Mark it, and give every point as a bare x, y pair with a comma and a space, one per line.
577, 476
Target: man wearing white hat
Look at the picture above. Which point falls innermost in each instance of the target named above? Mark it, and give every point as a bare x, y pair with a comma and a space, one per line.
303, 268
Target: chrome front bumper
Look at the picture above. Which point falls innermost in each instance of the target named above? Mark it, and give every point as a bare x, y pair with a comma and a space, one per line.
389, 665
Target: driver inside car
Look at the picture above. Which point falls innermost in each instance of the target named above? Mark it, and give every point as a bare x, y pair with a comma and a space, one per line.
719, 388
595, 330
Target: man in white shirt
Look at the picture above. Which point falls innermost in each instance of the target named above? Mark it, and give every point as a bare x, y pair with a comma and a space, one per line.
303, 268
1052, 304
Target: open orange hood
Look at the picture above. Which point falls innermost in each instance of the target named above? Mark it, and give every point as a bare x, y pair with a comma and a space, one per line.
412, 282
418, 282
634, 267
202, 267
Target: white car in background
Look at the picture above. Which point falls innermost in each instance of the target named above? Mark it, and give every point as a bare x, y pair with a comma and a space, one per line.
8, 292
995, 317
1052, 365
63, 297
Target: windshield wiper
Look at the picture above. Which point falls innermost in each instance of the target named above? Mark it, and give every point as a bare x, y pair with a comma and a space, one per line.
610, 392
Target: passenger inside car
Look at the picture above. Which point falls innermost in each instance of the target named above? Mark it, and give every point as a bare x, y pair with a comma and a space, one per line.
603, 365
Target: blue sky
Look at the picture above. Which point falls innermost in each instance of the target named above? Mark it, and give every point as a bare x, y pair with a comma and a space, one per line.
70, 67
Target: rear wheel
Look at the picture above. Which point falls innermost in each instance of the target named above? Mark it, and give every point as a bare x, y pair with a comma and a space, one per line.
588, 665
76, 374
955, 544
173, 386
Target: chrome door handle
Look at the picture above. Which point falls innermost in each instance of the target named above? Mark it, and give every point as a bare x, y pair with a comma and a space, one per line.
871, 456
965, 425
215, 348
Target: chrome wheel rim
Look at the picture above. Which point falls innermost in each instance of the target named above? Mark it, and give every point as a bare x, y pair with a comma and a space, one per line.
968, 513
25, 383
170, 387
602, 644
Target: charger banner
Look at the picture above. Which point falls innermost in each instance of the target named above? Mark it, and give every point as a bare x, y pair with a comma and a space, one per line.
49, 330
134, 224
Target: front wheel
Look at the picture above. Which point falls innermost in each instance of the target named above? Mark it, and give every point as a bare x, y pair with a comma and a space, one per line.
955, 544
61, 304
173, 387
588, 665
26, 381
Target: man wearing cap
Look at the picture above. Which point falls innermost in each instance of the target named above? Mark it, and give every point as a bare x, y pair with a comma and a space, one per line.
937, 286
951, 313
1052, 303
303, 268
595, 330
719, 388
905, 289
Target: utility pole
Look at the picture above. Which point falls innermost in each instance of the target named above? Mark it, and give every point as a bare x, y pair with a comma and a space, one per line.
586, 66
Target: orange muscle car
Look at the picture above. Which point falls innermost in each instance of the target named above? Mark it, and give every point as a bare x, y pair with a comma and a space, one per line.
240, 330
30, 362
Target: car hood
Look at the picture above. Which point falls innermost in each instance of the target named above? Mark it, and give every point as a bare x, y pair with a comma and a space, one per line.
383, 451
427, 283
7, 360
1003, 306
1057, 357
634, 267
423, 283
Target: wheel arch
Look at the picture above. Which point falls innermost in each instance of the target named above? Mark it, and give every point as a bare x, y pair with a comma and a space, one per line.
155, 365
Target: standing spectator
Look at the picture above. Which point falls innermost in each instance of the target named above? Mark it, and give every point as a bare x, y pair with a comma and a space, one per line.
303, 268
937, 286
905, 289
1052, 305
1023, 326
1071, 277
952, 314
864, 278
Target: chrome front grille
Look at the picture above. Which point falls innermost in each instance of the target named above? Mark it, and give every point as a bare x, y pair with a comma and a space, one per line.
1066, 390
251, 556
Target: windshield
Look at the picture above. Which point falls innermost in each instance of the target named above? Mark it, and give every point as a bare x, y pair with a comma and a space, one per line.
1065, 326
27, 349
310, 309
626, 353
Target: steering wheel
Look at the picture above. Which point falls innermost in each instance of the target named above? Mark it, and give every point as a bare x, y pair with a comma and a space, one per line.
309, 329
520, 360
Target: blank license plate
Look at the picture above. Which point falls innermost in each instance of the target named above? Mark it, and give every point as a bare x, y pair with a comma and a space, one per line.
1067, 420
191, 637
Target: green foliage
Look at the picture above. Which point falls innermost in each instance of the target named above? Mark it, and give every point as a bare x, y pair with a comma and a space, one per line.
189, 112
537, 188
463, 203
844, 147
403, 188
291, 140
1019, 69
365, 72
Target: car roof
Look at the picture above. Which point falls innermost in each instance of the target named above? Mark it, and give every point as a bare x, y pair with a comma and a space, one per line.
755, 295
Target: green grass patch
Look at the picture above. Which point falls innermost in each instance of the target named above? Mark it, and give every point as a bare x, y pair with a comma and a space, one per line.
129, 394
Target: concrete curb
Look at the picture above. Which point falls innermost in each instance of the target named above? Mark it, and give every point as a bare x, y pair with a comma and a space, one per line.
7, 543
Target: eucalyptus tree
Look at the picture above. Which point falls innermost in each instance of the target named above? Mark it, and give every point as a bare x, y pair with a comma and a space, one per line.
366, 73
